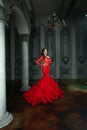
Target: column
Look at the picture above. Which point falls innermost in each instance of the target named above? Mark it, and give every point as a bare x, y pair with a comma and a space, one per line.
12, 53
57, 34
25, 62
5, 117
73, 39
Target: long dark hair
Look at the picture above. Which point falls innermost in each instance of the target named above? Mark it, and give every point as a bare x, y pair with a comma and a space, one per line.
43, 51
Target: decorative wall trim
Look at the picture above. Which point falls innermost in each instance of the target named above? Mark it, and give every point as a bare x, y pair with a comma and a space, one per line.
65, 46
50, 44
81, 59
82, 71
80, 37
81, 40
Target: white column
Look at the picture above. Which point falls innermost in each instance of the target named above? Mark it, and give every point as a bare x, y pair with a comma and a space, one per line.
25, 62
12, 53
5, 117
73, 39
57, 34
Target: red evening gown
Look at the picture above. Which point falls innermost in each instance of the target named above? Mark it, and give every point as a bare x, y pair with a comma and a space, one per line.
46, 89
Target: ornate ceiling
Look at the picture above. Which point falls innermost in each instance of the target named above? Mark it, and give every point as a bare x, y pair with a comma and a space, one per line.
64, 8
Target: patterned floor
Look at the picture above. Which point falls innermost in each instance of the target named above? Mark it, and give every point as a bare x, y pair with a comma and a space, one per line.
69, 113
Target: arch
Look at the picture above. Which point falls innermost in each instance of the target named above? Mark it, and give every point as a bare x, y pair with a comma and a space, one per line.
20, 21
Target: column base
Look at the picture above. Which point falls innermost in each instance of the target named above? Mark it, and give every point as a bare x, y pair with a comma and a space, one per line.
6, 119
25, 88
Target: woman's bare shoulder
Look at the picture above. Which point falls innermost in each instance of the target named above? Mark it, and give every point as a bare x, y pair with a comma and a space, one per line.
41, 57
48, 56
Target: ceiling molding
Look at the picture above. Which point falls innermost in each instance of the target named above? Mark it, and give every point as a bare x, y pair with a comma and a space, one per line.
28, 4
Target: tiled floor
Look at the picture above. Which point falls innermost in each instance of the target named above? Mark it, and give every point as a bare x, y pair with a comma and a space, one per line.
69, 113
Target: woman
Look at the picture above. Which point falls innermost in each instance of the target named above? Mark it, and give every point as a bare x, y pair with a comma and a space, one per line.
46, 90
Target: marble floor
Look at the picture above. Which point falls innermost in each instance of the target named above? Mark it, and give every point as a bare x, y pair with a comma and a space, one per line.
69, 113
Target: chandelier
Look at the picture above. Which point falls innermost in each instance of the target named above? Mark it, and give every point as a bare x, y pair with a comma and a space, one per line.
53, 20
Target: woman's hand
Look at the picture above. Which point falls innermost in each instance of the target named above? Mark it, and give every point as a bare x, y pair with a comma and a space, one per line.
44, 64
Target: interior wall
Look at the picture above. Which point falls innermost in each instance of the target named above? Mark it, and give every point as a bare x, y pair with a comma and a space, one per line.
67, 50
63, 64
81, 40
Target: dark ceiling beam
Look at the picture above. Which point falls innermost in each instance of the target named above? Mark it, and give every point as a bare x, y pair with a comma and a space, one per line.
61, 8
70, 8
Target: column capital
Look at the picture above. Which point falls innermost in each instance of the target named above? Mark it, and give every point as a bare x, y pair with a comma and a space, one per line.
2, 13
7, 10
24, 37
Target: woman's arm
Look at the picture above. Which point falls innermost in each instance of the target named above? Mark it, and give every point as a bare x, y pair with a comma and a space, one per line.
38, 61
50, 59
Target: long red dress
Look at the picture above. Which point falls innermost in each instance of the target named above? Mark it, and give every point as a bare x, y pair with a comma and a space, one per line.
46, 89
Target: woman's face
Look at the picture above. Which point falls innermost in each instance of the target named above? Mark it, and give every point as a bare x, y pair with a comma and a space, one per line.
45, 52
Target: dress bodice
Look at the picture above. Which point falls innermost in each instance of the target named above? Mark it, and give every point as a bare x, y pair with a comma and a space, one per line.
44, 61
